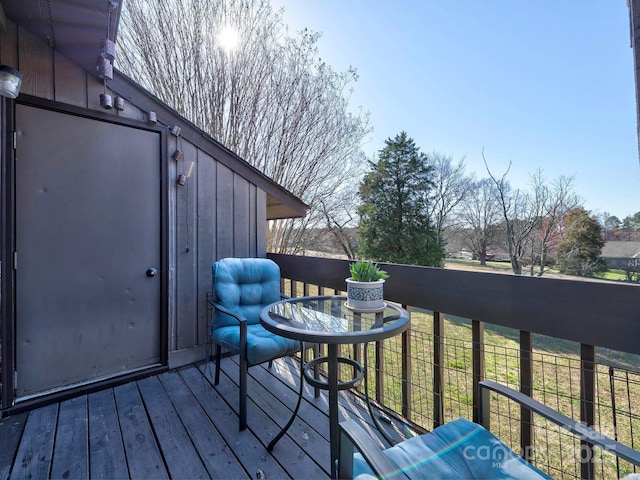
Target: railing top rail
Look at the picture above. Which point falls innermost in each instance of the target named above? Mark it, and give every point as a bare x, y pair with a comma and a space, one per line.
604, 314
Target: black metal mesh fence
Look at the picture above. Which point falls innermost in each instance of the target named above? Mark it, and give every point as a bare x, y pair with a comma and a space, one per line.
406, 386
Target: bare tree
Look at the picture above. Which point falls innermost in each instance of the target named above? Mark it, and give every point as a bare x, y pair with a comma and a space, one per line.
480, 216
340, 227
271, 100
532, 218
451, 185
555, 201
521, 214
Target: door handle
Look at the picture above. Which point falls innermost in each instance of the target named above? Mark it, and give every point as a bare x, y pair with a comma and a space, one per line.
152, 272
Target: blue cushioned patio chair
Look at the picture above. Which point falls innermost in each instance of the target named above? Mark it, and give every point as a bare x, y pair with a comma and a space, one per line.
460, 449
242, 287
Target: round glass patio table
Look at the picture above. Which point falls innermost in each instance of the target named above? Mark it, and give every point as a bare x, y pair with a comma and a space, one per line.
329, 320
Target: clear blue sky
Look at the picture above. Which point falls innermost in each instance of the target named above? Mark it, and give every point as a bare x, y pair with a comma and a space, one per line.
543, 83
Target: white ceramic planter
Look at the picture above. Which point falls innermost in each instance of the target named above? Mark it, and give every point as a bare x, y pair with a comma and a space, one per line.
365, 296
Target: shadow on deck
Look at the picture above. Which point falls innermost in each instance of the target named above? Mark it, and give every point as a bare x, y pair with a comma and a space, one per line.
178, 425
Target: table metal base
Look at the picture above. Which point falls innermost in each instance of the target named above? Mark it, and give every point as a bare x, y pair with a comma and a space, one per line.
325, 385
333, 386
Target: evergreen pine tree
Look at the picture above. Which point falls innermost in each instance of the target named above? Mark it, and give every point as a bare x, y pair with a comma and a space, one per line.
580, 251
395, 194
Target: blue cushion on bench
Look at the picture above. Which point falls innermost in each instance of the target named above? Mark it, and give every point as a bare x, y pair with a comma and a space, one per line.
457, 450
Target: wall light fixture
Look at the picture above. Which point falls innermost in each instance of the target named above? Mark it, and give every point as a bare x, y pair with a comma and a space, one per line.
10, 81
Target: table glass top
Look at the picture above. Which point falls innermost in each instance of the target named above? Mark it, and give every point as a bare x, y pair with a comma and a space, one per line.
330, 316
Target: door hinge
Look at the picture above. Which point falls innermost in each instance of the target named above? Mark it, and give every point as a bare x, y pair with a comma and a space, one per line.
15, 260
15, 380
15, 140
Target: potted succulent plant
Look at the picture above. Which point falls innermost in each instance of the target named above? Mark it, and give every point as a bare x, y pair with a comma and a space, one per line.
365, 286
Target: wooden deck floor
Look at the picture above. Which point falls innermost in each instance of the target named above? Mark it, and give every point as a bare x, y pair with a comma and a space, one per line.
177, 425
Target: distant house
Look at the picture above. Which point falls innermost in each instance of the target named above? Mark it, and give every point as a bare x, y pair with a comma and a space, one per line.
621, 255
498, 255
466, 255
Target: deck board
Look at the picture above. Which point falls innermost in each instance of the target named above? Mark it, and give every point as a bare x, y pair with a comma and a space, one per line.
106, 453
217, 458
10, 434
179, 453
34, 455
266, 419
178, 425
70, 454
252, 454
143, 454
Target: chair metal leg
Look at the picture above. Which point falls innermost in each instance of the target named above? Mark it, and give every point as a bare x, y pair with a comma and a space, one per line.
218, 358
345, 457
244, 367
316, 371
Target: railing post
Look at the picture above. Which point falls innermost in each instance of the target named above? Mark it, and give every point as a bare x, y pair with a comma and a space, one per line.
587, 404
526, 387
356, 349
380, 372
406, 371
438, 369
321, 346
477, 340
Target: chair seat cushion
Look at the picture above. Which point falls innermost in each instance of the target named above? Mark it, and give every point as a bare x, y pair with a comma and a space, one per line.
458, 449
262, 345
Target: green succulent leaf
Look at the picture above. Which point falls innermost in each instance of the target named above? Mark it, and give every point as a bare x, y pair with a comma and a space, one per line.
366, 271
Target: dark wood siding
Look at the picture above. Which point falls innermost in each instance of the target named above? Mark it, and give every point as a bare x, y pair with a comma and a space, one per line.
224, 212
70, 82
186, 256
36, 64
241, 207
206, 248
218, 213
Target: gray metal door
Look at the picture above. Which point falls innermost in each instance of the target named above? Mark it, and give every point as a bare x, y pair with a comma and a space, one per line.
88, 229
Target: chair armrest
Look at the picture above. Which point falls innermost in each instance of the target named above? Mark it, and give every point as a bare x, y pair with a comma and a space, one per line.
579, 429
242, 323
222, 309
352, 434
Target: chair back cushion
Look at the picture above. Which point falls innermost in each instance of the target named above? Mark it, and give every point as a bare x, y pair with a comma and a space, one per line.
458, 449
244, 286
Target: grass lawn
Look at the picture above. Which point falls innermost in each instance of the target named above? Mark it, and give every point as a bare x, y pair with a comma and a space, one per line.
612, 274
556, 365
505, 267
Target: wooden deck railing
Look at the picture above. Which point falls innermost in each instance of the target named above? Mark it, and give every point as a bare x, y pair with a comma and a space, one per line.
593, 314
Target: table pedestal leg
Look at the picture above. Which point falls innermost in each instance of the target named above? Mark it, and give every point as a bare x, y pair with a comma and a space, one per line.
275, 440
334, 429
333, 386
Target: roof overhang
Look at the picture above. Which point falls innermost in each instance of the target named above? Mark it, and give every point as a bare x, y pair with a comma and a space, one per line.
75, 28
